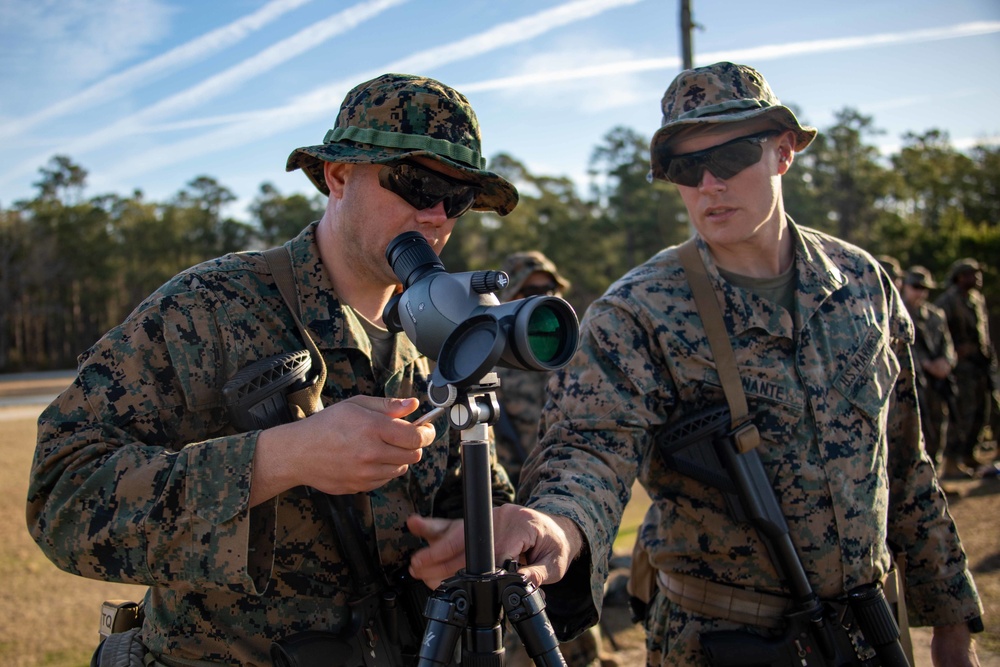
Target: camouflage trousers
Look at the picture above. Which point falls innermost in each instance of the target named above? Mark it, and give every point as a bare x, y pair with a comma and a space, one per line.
974, 396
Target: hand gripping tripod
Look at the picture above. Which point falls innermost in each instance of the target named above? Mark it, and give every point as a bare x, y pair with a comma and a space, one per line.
471, 605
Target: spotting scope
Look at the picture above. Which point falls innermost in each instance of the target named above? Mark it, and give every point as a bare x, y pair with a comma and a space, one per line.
457, 320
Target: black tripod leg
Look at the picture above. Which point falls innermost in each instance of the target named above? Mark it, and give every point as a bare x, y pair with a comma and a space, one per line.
447, 616
526, 611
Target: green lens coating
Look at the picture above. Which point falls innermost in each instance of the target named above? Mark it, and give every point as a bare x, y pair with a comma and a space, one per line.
544, 334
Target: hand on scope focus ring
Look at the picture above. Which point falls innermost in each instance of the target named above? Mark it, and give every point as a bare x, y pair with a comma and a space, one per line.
352, 446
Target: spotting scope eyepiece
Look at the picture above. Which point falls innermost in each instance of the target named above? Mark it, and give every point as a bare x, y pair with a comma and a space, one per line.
457, 320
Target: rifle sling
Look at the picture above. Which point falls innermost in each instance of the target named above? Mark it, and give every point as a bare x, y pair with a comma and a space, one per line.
745, 433
279, 261
339, 509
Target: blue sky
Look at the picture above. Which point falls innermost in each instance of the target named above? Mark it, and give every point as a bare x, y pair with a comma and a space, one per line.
149, 94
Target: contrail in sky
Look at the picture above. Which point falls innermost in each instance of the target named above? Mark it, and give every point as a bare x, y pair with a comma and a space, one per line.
753, 54
144, 73
218, 84
320, 101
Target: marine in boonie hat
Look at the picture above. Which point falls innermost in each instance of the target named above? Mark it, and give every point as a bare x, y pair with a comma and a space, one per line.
520, 265
891, 266
721, 93
964, 265
396, 116
920, 276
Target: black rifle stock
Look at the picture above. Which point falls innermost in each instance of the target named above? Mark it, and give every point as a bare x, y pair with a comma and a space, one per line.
703, 447
382, 630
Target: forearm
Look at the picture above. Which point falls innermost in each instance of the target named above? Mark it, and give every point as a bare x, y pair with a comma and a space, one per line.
952, 646
106, 505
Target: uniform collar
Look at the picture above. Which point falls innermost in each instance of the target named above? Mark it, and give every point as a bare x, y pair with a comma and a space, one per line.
817, 277
332, 324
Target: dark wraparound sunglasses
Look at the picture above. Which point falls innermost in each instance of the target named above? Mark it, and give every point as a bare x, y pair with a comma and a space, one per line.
724, 161
423, 188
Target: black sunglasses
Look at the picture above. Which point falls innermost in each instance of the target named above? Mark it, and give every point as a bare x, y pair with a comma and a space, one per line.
724, 161
547, 289
423, 188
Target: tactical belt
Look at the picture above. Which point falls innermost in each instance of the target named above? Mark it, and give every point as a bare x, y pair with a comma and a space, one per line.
728, 603
739, 605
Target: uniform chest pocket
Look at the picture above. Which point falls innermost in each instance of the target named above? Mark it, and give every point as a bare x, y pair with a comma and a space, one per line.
870, 374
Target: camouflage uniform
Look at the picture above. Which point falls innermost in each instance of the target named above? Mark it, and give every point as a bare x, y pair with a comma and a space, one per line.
139, 476
522, 395
933, 341
839, 367
969, 324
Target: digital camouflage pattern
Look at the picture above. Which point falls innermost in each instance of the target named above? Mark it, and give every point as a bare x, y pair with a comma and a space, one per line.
139, 477
831, 391
521, 396
719, 93
396, 116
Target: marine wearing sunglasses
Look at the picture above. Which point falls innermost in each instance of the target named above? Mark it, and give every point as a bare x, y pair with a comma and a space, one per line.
423, 188
724, 161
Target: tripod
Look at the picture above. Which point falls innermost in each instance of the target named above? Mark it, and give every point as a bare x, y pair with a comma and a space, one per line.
471, 604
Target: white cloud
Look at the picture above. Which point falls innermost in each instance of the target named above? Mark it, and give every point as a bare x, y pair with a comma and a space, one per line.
71, 37
587, 79
220, 83
64, 42
320, 101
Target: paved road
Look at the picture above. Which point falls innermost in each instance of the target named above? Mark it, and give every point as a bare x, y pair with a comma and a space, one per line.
22, 393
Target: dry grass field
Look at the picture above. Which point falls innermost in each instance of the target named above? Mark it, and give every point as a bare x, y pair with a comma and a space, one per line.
50, 619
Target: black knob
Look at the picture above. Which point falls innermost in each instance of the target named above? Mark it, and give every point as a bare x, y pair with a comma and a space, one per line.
487, 282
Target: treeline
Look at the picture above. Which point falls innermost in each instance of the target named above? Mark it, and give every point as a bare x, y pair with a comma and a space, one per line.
72, 266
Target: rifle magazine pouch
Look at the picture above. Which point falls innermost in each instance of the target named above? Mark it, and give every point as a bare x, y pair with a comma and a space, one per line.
121, 649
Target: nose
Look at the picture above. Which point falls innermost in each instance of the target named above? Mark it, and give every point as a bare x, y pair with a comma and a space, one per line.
433, 215
710, 181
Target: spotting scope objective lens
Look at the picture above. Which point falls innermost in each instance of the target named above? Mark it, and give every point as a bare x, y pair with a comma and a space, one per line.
456, 319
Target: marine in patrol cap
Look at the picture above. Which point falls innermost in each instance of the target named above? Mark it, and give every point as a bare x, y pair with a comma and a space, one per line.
397, 116
520, 265
719, 93
920, 276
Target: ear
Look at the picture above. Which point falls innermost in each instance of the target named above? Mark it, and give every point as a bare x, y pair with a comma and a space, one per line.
786, 151
335, 174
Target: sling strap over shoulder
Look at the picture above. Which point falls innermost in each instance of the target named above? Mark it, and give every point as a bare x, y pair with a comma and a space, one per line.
279, 261
745, 433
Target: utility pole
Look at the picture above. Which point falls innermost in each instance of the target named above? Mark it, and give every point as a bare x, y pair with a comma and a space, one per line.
686, 27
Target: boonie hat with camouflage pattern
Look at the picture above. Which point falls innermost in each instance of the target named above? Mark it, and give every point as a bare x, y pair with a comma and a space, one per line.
964, 265
715, 94
520, 265
920, 276
396, 116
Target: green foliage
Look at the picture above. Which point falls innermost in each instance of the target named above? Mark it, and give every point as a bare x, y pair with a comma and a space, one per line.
72, 268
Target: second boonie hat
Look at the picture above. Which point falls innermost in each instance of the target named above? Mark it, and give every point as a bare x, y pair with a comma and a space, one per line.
721, 93
920, 276
519, 265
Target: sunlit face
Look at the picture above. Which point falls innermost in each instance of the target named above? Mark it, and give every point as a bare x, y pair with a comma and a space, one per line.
730, 212
915, 295
371, 217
